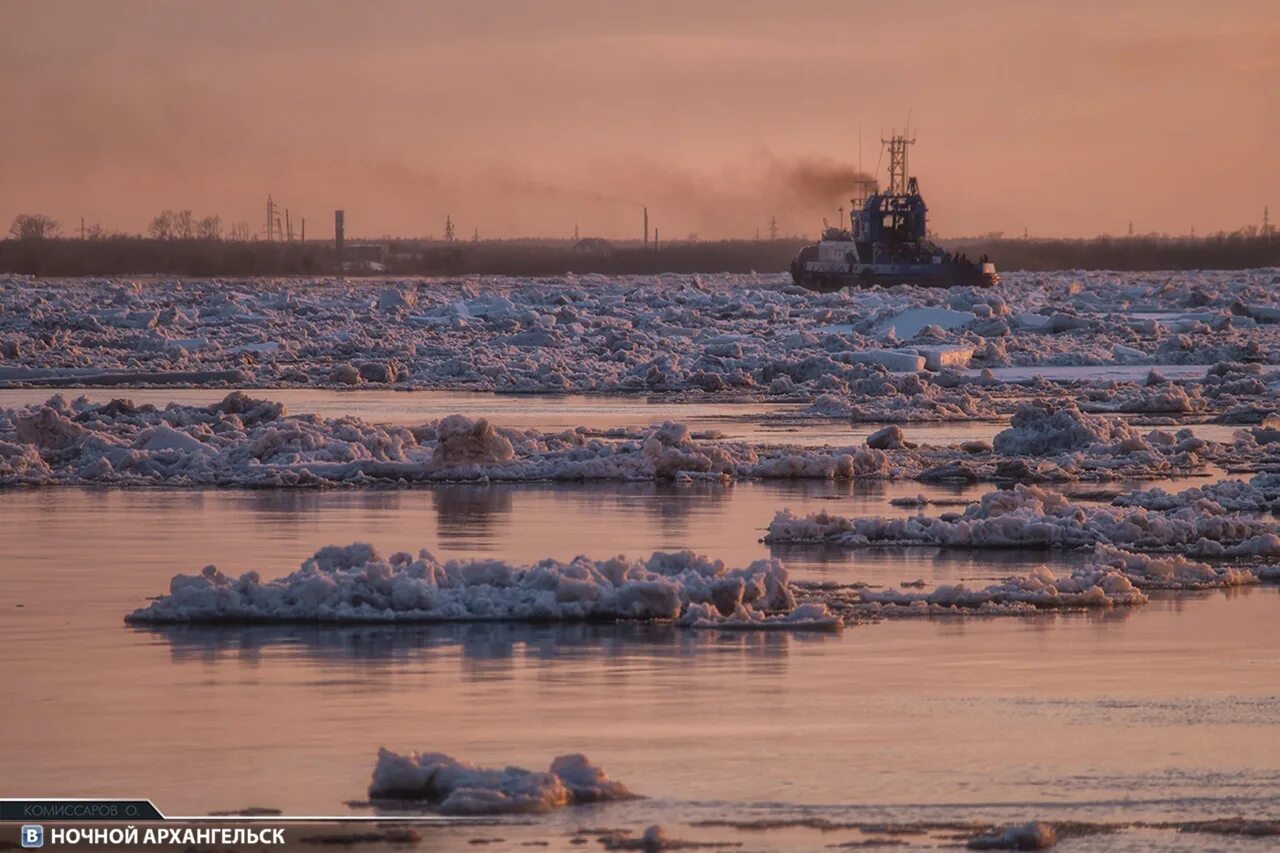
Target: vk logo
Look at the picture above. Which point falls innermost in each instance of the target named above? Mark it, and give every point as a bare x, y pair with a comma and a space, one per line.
32, 835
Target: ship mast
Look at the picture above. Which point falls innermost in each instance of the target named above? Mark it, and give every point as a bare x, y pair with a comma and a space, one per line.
898, 172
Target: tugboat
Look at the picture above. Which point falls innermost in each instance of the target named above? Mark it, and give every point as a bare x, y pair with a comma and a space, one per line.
886, 241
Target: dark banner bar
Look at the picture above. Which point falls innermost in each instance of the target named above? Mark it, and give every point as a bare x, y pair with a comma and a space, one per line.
78, 810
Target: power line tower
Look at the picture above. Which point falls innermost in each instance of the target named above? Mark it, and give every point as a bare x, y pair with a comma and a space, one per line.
448, 229
1267, 228
773, 228
271, 219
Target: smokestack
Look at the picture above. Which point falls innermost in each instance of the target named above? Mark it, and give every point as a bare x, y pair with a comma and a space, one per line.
646, 227
339, 234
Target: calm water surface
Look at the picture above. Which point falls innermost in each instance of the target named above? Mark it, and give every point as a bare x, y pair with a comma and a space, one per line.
1167, 710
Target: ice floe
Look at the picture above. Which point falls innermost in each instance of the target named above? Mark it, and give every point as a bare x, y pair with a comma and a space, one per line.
245, 441
251, 442
355, 584
453, 787
1111, 578
1028, 516
1028, 836
732, 335
1261, 493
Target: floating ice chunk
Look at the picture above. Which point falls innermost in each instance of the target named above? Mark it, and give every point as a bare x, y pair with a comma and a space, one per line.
1113, 577
810, 616
909, 323
1169, 572
655, 839
165, 437
378, 371
22, 463
1092, 586
456, 788
1031, 322
1128, 355
355, 584
395, 299
48, 428
243, 441
1029, 836
1040, 429
1260, 494
941, 357
888, 438
897, 360
830, 405
461, 440
345, 374
189, 344
261, 348
1033, 517
1264, 313
1165, 398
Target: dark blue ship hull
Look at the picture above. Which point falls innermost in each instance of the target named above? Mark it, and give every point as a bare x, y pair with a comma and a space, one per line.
888, 275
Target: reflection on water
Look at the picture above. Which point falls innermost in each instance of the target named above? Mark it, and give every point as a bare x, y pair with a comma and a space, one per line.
469, 515
1073, 713
361, 645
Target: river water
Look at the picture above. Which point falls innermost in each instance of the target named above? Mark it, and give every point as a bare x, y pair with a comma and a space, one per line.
1165, 712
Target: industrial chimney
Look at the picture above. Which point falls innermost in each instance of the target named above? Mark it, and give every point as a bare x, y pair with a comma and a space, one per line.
339, 234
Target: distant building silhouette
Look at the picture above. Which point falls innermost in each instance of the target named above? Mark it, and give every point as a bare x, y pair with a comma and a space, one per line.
594, 247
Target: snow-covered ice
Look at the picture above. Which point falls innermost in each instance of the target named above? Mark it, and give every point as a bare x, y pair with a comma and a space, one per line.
734, 335
1112, 577
251, 442
1029, 516
910, 323
453, 787
355, 584
245, 441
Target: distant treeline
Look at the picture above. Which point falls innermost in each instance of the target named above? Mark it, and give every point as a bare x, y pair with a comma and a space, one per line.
117, 256
525, 258
1147, 252
142, 256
